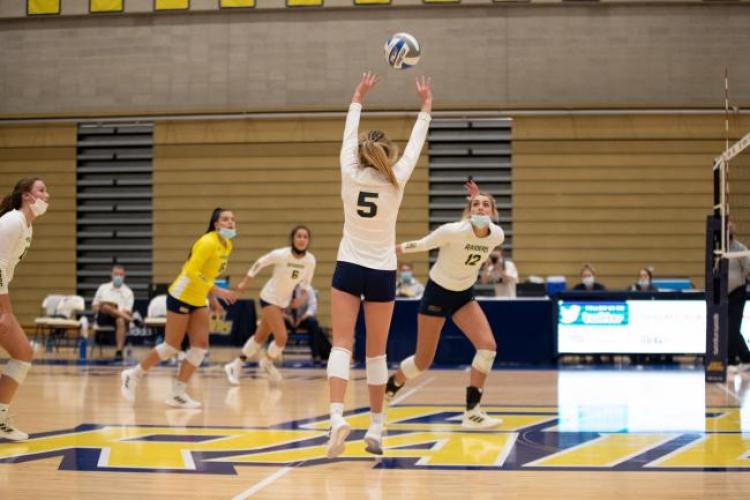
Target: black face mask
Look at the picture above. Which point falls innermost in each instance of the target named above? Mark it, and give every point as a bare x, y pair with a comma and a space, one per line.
298, 252
493, 259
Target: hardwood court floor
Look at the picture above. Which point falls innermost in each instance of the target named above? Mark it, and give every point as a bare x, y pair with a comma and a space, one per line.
584, 434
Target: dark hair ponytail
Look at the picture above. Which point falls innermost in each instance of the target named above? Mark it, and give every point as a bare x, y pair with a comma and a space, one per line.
214, 217
14, 200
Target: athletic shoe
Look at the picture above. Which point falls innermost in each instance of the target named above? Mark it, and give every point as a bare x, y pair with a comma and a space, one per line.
267, 366
232, 369
182, 401
118, 357
374, 439
337, 435
8, 431
477, 419
391, 388
129, 381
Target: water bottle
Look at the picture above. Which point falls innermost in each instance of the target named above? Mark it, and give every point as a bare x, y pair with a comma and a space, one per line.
82, 347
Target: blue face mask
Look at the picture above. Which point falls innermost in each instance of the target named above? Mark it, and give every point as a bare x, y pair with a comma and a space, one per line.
117, 281
480, 220
406, 276
227, 233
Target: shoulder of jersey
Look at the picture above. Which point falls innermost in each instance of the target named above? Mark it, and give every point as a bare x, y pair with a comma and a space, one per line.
498, 231
458, 225
13, 217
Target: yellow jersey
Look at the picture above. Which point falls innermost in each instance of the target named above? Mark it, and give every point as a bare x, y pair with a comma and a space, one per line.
208, 259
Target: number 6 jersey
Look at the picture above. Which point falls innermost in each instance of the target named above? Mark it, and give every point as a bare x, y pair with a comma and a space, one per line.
371, 203
288, 272
461, 255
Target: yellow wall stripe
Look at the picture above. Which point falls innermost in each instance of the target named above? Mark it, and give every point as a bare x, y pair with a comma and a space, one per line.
41, 7
304, 3
171, 4
232, 4
99, 6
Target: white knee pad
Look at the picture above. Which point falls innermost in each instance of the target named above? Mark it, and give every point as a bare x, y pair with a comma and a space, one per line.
251, 347
274, 351
377, 370
338, 363
195, 356
483, 360
165, 351
16, 370
409, 368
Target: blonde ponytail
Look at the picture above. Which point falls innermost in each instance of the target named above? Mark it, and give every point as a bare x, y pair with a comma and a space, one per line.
378, 152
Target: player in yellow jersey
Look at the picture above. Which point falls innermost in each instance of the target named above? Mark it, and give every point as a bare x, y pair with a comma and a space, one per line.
187, 309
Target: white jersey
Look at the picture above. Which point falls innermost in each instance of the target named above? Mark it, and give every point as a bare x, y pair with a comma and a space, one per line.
288, 272
109, 293
461, 255
371, 203
15, 240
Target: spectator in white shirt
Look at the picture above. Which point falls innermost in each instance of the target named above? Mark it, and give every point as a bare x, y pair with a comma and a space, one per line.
113, 306
500, 272
407, 285
302, 315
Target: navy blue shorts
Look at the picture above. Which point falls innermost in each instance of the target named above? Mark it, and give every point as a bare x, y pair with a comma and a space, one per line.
263, 304
104, 319
374, 285
180, 307
439, 301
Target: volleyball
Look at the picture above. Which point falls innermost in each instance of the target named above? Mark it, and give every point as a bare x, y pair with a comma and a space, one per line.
402, 51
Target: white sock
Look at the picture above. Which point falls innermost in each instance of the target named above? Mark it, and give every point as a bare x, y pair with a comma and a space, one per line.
237, 363
251, 347
337, 409
178, 388
376, 419
138, 370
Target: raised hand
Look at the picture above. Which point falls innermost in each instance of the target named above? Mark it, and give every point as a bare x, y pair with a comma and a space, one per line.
424, 90
471, 188
368, 81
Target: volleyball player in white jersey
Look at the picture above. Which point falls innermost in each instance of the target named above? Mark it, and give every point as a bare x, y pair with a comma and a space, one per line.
464, 247
291, 265
372, 187
27, 201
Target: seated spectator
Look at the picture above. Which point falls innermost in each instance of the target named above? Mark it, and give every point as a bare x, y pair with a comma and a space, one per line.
407, 285
588, 280
644, 283
113, 307
301, 314
500, 272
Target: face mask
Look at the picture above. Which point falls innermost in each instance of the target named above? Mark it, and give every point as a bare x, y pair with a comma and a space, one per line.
643, 283
39, 207
588, 280
480, 220
227, 233
406, 276
117, 281
493, 259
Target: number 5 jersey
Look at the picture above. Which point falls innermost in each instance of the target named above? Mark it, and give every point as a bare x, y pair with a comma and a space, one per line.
371, 203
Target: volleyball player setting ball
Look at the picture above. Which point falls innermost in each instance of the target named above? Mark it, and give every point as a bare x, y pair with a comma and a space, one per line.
292, 265
18, 210
463, 247
187, 310
372, 187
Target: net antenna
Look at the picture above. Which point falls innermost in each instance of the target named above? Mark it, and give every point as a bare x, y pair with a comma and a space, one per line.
721, 179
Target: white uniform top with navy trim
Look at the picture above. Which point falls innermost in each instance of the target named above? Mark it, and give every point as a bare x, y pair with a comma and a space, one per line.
15, 240
109, 293
288, 272
461, 254
371, 203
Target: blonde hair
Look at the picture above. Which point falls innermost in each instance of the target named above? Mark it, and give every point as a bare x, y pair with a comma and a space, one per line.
467, 210
378, 152
589, 267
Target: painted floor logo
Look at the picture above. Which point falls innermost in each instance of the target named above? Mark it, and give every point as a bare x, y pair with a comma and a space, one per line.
424, 437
